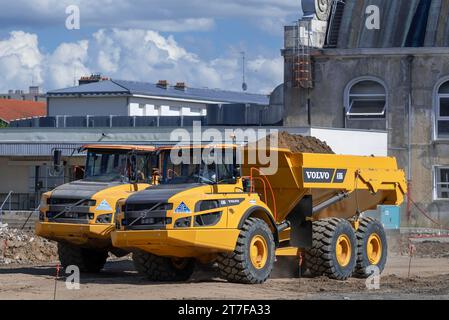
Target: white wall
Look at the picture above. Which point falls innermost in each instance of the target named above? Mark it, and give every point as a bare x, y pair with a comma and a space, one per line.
153, 107
84, 106
117, 106
358, 143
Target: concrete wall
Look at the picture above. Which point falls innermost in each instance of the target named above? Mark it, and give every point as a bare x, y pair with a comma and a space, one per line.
101, 106
334, 69
14, 177
18, 176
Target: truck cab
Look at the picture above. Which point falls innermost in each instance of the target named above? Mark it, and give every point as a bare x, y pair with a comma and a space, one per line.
80, 215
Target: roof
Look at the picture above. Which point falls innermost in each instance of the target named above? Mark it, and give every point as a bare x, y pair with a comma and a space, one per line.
119, 147
17, 109
122, 87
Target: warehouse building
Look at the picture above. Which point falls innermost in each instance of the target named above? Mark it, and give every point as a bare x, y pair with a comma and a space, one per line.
340, 73
26, 153
101, 110
128, 98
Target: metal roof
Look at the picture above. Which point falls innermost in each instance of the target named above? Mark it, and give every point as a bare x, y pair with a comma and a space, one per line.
103, 87
122, 87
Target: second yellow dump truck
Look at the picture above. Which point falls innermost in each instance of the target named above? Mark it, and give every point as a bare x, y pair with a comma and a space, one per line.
242, 219
80, 215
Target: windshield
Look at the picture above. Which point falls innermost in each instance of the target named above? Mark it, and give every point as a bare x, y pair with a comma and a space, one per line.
195, 170
109, 166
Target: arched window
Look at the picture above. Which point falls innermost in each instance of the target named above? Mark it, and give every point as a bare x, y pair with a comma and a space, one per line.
366, 99
442, 111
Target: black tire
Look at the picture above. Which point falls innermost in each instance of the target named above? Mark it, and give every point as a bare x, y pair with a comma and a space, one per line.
370, 227
322, 259
163, 269
237, 267
87, 260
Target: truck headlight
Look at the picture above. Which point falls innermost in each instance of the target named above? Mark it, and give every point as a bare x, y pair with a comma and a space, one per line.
207, 205
104, 218
208, 220
183, 223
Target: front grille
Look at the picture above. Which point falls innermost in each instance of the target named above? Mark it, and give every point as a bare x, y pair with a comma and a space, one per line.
68, 217
68, 201
155, 206
139, 217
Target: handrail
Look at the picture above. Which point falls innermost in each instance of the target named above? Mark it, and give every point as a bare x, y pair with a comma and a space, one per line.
269, 185
252, 185
8, 197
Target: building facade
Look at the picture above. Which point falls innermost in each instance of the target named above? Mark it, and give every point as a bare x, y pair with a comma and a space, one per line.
128, 98
33, 94
395, 78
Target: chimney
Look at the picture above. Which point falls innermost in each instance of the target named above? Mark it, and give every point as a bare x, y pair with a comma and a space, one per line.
162, 84
91, 79
181, 86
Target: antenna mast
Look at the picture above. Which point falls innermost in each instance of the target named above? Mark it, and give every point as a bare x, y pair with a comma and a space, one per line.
244, 84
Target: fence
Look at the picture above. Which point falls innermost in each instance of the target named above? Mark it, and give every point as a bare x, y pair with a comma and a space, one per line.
106, 122
217, 115
19, 202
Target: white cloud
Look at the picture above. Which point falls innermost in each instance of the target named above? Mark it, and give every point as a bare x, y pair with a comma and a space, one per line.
160, 15
65, 63
131, 54
20, 60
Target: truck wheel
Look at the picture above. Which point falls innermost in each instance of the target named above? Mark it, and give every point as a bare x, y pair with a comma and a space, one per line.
163, 269
87, 260
333, 252
253, 258
372, 247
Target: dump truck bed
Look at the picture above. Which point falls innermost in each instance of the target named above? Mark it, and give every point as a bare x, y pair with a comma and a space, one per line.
365, 182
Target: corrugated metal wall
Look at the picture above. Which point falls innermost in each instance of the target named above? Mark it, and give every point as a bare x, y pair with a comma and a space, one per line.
396, 19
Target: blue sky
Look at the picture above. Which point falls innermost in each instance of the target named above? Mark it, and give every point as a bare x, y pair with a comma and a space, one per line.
195, 41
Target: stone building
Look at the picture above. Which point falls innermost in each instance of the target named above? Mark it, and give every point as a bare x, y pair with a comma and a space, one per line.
378, 65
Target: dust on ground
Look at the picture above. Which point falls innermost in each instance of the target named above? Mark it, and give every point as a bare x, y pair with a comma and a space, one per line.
412, 244
299, 144
429, 279
425, 275
31, 269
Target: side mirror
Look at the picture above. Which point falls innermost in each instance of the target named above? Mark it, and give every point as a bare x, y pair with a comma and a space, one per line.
57, 158
246, 185
237, 172
133, 174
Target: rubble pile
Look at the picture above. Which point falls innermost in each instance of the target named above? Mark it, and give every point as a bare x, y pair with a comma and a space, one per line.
20, 247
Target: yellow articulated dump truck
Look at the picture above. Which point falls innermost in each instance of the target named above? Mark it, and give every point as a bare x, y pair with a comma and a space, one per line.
238, 217
80, 215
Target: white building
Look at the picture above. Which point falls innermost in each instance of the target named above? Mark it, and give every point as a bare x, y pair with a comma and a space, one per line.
127, 98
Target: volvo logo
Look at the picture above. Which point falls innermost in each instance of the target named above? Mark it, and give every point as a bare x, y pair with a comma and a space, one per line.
324, 175
318, 175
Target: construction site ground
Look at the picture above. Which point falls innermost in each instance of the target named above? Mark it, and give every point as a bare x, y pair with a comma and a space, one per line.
428, 279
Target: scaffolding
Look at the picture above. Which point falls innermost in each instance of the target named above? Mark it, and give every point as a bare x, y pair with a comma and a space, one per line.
302, 61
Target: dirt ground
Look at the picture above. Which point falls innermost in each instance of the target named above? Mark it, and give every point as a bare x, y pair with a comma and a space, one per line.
23, 275
429, 279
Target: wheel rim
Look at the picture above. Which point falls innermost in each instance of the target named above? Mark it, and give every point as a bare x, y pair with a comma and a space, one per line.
343, 250
259, 252
374, 249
